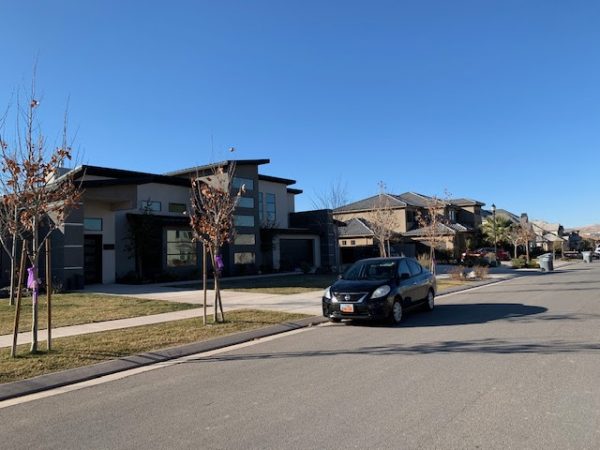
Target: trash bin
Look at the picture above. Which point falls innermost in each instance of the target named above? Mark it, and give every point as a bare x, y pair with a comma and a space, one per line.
587, 257
546, 263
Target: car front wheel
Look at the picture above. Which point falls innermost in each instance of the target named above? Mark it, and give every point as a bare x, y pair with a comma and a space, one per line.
396, 313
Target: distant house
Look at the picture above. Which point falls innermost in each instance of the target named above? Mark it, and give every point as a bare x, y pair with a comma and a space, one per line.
462, 217
95, 243
549, 236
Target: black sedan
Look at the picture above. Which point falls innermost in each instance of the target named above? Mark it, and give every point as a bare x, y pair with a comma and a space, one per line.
380, 288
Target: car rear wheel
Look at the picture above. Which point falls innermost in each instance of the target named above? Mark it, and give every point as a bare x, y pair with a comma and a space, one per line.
430, 302
396, 313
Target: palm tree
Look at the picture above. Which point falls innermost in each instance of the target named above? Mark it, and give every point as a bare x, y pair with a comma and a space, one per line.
500, 233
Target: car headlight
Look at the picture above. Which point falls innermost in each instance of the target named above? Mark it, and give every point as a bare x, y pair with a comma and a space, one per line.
381, 291
328, 295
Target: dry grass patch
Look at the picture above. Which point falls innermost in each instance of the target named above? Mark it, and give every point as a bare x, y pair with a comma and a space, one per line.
79, 308
87, 349
445, 284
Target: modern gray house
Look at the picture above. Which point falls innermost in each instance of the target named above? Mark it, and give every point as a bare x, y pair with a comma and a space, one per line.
133, 225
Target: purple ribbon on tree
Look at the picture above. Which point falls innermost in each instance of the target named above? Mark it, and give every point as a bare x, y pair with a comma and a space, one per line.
219, 262
31, 281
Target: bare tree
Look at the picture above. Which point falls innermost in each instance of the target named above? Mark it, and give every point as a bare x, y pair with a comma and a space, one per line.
383, 220
431, 221
332, 198
522, 233
211, 218
34, 188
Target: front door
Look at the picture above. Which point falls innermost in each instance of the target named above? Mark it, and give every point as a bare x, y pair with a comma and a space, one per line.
92, 258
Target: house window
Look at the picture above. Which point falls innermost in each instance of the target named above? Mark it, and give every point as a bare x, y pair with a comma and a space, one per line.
149, 205
177, 208
452, 214
181, 251
92, 224
245, 239
243, 221
246, 202
244, 258
238, 182
353, 242
410, 216
270, 208
344, 242
261, 215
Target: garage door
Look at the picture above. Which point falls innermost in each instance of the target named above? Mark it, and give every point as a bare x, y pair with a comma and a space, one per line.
294, 252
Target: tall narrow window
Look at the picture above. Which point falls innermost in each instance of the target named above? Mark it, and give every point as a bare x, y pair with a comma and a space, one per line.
261, 214
270, 210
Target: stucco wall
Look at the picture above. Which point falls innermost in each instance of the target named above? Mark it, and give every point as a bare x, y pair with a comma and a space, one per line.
281, 201
399, 218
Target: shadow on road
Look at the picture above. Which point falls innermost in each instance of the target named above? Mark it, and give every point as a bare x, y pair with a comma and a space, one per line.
473, 313
492, 346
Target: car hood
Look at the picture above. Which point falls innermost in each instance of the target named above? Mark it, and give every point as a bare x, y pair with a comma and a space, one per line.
358, 285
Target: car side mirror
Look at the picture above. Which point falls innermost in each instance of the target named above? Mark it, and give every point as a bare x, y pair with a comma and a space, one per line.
340, 276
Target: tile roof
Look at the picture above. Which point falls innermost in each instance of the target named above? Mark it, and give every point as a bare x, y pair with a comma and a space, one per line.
355, 227
443, 229
368, 204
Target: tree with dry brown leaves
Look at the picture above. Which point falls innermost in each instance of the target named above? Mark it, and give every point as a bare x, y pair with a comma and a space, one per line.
431, 220
211, 219
36, 198
383, 220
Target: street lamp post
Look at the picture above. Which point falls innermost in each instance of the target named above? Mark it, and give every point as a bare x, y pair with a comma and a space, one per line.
495, 238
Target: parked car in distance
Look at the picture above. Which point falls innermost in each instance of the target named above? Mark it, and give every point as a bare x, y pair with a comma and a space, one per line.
596, 253
487, 253
380, 289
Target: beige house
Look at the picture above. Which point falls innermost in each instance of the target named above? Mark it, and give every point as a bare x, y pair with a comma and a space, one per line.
462, 217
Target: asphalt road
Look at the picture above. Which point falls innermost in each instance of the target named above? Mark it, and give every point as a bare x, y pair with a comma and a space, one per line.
510, 365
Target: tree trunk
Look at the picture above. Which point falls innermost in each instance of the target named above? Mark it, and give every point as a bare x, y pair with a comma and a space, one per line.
49, 291
13, 351
13, 269
221, 306
382, 249
34, 287
204, 281
13, 260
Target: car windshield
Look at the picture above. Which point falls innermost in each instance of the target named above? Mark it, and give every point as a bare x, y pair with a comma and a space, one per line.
371, 270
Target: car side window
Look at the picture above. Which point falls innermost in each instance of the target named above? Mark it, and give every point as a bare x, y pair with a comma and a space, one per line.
403, 268
415, 268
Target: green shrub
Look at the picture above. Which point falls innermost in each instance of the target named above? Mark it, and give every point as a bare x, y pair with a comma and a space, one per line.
518, 263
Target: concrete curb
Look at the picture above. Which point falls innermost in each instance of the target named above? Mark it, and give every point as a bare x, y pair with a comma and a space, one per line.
85, 373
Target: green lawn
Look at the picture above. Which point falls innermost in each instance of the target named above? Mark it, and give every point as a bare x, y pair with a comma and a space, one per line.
79, 308
87, 349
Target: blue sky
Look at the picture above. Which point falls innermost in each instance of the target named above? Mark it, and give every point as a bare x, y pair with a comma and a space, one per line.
493, 100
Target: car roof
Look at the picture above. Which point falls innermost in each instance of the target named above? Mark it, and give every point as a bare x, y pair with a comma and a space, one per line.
383, 258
